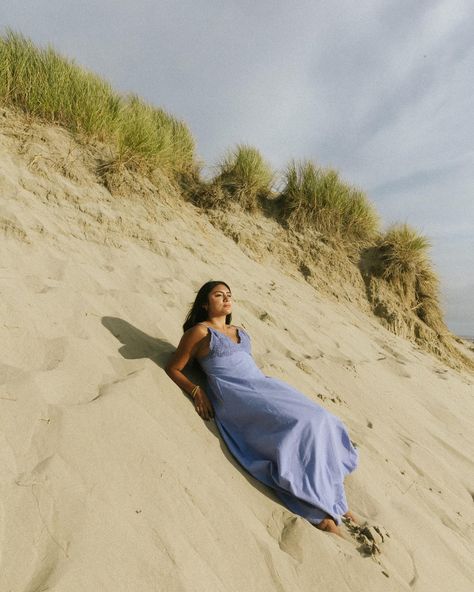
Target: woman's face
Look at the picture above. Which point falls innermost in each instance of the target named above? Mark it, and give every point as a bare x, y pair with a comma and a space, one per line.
219, 301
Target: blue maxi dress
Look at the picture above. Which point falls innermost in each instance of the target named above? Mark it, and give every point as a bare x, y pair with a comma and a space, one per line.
280, 436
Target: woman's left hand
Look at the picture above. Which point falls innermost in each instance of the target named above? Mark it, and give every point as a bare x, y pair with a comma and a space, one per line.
203, 404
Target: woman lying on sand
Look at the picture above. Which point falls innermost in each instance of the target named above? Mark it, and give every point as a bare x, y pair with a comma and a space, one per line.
283, 438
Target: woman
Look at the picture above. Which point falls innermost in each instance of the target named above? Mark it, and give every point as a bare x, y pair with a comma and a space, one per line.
279, 435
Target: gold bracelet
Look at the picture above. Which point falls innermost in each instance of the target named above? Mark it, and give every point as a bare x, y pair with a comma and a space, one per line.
194, 391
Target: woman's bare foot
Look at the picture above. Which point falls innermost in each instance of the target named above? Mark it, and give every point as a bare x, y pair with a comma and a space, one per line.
328, 525
350, 516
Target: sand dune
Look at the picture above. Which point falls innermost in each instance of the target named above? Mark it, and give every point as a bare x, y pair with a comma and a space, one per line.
110, 480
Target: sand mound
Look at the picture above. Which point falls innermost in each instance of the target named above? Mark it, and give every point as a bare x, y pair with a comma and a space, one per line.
110, 480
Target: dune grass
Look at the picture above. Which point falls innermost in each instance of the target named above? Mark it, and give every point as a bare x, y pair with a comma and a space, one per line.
403, 252
149, 135
317, 197
245, 176
47, 85
402, 260
42, 83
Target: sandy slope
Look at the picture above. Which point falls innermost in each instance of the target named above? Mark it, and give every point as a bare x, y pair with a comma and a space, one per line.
110, 481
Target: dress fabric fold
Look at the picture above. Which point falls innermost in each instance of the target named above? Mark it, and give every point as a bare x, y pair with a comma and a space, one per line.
279, 435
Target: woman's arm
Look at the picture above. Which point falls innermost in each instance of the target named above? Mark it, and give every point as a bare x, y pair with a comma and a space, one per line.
185, 351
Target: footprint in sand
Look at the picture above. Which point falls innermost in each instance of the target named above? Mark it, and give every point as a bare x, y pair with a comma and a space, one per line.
302, 366
55, 268
290, 540
333, 397
55, 352
441, 372
396, 367
391, 351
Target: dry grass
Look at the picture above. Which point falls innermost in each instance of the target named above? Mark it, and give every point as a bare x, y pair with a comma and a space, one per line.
244, 176
400, 258
46, 85
317, 198
320, 216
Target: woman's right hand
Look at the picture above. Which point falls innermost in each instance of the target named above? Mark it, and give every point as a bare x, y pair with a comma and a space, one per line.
203, 405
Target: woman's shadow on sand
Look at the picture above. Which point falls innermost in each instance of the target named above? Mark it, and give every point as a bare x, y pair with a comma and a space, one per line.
138, 345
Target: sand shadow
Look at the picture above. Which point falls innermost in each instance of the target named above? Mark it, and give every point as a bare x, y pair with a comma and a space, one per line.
136, 344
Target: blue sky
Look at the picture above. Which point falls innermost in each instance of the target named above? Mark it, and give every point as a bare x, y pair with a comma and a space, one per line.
381, 90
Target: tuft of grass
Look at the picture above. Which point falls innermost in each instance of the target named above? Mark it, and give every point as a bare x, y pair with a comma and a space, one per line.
402, 260
150, 136
403, 253
317, 198
245, 176
47, 85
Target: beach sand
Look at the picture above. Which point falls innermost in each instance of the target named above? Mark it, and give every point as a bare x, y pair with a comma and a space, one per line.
111, 481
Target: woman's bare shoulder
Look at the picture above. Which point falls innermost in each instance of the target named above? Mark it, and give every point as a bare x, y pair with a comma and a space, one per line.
192, 337
195, 333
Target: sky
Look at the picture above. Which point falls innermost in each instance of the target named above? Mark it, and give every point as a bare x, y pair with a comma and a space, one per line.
381, 90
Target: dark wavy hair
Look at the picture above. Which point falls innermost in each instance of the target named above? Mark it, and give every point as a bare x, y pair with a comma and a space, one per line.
197, 313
